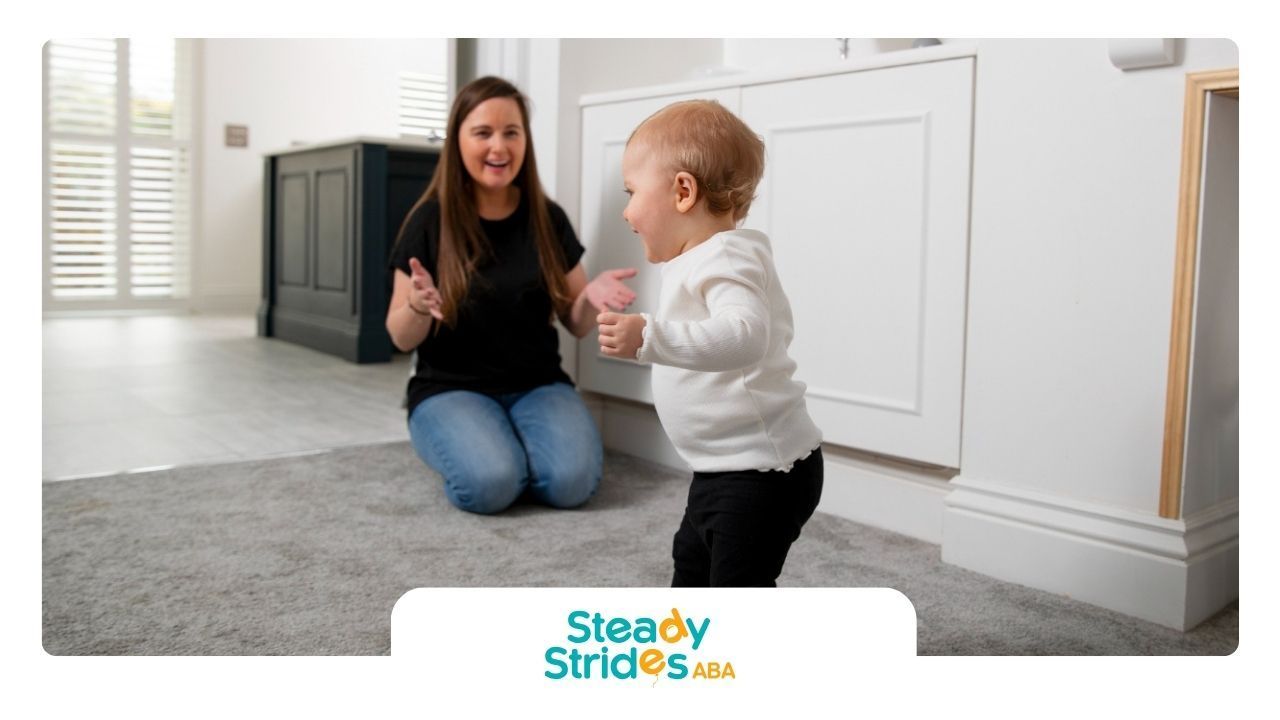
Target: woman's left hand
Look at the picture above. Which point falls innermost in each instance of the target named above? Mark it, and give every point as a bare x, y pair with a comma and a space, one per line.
608, 292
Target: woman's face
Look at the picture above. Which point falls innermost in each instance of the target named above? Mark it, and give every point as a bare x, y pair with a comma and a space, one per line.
492, 143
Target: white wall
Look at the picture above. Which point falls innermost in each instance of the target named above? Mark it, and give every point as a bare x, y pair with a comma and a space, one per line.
1075, 194
285, 91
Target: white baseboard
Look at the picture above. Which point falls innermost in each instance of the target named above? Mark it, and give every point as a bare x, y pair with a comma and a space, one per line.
1173, 572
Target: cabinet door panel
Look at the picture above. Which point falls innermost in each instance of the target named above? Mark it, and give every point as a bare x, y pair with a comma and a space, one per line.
607, 237
315, 227
333, 231
294, 224
865, 198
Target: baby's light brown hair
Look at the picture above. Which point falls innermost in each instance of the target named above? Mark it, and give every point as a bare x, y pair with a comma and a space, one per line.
704, 139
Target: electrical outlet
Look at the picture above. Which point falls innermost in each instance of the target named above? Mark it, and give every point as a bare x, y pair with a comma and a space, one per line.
237, 136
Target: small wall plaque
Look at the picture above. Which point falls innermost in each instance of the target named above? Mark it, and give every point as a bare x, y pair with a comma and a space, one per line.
237, 136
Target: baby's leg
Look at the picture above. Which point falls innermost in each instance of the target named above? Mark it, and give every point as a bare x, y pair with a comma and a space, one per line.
691, 555
757, 516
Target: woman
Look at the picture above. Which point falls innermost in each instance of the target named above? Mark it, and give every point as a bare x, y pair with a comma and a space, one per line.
482, 263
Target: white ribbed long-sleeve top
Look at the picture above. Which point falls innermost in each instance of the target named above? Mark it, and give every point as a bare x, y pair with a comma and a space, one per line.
718, 343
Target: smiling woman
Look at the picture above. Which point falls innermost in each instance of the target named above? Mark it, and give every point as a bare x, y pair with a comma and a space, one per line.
492, 144
483, 262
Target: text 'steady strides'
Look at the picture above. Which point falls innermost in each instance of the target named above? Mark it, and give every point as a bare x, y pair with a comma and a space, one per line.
670, 641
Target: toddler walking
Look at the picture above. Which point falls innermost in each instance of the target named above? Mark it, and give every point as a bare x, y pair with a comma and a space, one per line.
722, 378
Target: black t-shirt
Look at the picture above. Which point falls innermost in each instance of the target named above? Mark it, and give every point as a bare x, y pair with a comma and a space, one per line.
503, 340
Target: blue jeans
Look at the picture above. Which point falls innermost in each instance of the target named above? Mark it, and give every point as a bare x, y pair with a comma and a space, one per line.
490, 449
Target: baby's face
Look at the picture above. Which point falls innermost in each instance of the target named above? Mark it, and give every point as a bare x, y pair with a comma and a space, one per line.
651, 211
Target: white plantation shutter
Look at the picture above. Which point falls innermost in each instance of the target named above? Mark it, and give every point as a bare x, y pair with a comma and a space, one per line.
83, 220
151, 91
81, 104
117, 118
82, 87
158, 217
424, 105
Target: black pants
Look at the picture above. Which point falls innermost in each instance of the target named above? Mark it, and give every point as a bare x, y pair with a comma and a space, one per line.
738, 526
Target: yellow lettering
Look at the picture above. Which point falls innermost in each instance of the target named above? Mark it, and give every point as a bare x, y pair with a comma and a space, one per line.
674, 623
652, 661
714, 671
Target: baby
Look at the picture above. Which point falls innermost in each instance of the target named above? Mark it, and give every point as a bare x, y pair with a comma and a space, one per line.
718, 344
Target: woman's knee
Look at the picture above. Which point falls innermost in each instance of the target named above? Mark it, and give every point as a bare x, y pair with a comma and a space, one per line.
485, 488
569, 480
563, 445
466, 438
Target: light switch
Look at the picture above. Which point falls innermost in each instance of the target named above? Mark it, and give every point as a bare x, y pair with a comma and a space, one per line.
237, 136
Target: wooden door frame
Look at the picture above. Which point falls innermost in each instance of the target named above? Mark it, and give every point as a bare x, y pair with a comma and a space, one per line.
1199, 85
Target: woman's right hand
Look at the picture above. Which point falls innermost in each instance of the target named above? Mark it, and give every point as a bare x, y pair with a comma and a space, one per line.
424, 297
607, 291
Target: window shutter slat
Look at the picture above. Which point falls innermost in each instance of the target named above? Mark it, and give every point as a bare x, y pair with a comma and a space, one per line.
82, 86
424, 105
157, 220
151, 87
83, 220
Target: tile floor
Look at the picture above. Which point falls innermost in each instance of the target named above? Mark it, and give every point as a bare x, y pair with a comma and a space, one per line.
126, 393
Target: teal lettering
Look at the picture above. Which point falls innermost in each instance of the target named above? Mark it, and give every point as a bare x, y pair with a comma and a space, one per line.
630, 659
586, 632
619, 630
552, 652
695, 632
649, 628
677, 669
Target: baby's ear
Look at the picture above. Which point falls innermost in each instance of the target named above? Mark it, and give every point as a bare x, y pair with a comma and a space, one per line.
686, 191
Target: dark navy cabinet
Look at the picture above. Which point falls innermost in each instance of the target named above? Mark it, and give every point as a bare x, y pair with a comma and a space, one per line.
331, 213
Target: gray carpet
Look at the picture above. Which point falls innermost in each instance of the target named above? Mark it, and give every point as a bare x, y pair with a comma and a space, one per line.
306, 556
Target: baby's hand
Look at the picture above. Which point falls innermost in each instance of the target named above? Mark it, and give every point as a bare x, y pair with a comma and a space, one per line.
620, 335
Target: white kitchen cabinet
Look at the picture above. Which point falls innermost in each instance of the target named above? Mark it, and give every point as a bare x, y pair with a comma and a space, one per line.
866, 199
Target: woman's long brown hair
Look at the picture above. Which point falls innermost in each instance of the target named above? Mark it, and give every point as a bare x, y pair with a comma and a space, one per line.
463, 245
